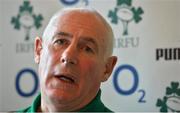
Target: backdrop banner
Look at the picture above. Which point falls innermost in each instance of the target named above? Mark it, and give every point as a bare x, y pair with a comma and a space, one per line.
147, 44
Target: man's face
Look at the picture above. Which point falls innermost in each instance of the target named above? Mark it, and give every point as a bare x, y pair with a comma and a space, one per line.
72, 64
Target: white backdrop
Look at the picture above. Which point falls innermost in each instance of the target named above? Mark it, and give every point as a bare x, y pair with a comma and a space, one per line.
158, 30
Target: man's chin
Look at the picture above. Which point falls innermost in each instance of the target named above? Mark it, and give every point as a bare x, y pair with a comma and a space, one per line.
61, 96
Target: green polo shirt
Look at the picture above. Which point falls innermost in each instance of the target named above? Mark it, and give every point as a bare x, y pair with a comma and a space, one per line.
95, 105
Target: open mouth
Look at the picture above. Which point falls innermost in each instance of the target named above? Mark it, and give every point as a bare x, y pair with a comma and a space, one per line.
64, 78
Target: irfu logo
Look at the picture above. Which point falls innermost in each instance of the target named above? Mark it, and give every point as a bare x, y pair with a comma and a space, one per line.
125, 13
170, 102
26, 19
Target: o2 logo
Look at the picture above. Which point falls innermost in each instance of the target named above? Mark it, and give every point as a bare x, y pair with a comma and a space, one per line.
135, 83
19, 76
73, 2
69, 2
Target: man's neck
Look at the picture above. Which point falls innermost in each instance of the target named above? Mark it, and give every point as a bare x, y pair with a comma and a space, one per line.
45, 107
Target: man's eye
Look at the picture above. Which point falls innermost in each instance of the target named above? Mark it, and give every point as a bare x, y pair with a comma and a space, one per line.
88, 49
61, 42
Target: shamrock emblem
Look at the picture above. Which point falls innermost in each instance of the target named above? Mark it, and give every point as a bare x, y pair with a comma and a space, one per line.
125, 13
170, 102
27, 19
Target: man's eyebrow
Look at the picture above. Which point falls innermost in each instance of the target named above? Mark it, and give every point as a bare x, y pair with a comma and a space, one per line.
90, 39
84, 38
61, 33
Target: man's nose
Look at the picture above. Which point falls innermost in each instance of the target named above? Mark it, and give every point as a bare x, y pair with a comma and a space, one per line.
69, 56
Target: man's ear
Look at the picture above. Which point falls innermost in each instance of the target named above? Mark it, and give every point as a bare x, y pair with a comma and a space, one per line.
37, 49
109, 66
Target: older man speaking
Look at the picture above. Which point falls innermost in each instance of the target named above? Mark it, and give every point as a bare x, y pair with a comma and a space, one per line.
74, 57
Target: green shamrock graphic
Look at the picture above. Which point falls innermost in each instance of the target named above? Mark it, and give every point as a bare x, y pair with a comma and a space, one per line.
125, 13
170, 102
27, 19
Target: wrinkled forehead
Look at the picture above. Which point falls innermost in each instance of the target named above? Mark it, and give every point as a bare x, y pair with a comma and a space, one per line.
89, 20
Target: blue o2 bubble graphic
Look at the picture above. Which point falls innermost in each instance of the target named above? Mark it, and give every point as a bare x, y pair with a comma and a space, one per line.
17, 82
135, 76
69, 2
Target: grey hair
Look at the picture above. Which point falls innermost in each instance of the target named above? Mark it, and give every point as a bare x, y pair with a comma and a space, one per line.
53, 24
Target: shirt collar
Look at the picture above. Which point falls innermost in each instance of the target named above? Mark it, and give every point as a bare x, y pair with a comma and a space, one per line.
95, 105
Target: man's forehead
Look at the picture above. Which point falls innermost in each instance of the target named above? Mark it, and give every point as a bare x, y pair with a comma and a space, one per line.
90, 20
79, 16
82, 32
77, 11
85, 20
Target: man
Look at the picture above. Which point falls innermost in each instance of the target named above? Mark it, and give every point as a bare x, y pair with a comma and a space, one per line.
74, 57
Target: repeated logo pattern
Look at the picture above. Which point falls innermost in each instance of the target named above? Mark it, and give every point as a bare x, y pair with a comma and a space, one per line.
27, 19
125, 12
